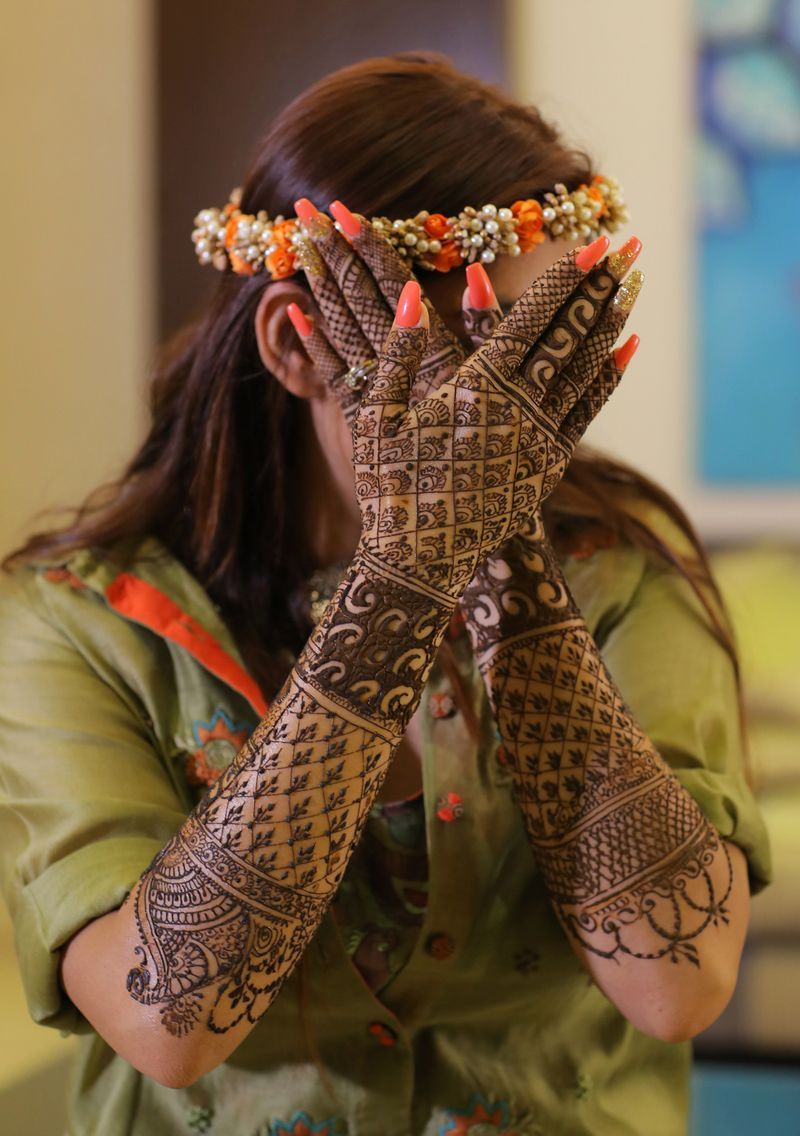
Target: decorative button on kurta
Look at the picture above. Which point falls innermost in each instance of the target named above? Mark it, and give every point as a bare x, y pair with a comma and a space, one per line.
449, 807
440, 945
441, 705
383, 1034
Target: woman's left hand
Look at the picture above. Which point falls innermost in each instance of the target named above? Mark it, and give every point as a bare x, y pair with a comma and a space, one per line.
356, 278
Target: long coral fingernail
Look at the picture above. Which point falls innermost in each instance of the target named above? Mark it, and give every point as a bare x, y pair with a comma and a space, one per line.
481, 292
409, 305
306, 210
624, 354
351, 226
299, 320
588, 257
620, 261
628, 290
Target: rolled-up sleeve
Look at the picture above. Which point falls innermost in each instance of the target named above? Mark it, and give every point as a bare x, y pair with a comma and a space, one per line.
679, 682
85, 802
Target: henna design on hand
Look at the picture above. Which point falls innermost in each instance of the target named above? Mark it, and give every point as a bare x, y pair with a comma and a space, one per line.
227, 908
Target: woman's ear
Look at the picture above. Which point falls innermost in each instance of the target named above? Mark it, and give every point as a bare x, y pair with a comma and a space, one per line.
279, 345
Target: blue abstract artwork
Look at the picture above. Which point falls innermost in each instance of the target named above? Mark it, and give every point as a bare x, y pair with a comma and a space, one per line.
748, 113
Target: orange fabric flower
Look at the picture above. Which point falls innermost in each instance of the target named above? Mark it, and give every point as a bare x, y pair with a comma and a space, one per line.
529, 223
240, 265
282, 233
280, 263
437, 226
449, 257
593, 192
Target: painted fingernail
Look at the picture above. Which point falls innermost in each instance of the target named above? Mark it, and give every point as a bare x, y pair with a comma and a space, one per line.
624, 354
306, 210
588, 257
620, 261
481, 292
299, 320
628, 290
409, 305
351, 226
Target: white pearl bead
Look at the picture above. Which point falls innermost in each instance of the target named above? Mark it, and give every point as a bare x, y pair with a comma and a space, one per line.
585, 214
567, 207
398, 224
252, 252
205, 258
558, 228
410, 239
492, 227
489, 210
435, 246
512, 238
514, 250
504, 214
584, 230
476, 240
487, 256
422, 245
549, 214
476, 225
580, 197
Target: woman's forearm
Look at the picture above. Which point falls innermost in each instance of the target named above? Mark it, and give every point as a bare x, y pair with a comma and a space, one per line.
638, 877
201, 946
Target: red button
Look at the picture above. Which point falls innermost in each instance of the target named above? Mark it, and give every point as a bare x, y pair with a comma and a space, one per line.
449, 807
442, 705
383, 1034
440, 945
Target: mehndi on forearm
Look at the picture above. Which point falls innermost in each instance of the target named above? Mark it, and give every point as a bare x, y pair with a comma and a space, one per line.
227, 908
630, 863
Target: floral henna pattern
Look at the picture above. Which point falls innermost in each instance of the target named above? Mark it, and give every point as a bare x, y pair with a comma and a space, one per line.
228, 907
627, 857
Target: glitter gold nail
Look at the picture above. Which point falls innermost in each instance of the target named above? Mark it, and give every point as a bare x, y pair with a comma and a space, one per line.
306, 256
628, 291
620, 261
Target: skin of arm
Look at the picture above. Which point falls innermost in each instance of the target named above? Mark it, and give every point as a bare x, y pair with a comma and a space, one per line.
652, 899
176, 978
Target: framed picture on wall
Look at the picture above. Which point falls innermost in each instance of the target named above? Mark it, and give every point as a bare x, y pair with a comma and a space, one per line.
748, 122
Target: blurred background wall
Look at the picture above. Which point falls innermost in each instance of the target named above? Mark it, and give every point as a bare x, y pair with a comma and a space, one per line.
77, 318
120, 120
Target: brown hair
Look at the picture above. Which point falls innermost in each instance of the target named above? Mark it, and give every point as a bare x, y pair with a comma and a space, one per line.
217, 477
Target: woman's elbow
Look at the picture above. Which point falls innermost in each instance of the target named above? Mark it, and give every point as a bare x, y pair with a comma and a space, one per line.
676, 1019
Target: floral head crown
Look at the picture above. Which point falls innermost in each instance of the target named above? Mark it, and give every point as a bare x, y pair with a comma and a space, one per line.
254, 243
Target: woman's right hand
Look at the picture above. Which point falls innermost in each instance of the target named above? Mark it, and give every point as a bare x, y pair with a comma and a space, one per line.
444, 482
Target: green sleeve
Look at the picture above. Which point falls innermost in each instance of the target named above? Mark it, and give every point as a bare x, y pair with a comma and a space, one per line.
679, 683
85, 803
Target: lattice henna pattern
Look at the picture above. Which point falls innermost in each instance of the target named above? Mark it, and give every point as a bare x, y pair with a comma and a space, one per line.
624, 851
229, 905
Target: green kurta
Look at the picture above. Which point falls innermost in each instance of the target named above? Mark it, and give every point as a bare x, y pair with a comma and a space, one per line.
122, 694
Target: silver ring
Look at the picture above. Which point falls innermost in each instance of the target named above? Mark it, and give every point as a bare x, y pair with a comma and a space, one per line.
358, 377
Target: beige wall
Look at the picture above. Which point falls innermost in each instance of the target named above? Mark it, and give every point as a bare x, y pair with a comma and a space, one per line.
75, 310
617, 77
75, 92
